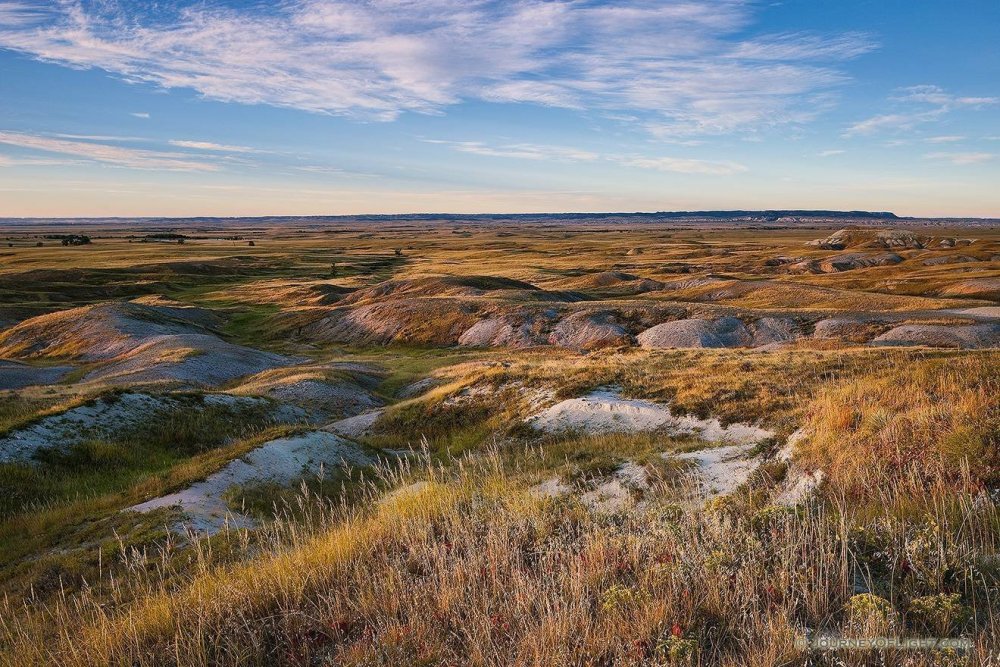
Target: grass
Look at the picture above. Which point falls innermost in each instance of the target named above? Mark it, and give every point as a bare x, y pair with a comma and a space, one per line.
59, 506
472, 568
938, 417
456, 559
475, 569
17, 410
20, 409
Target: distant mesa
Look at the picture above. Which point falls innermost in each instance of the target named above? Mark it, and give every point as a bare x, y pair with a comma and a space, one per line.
781, 217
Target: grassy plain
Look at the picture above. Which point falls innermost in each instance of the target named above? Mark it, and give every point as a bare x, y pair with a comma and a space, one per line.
451, 555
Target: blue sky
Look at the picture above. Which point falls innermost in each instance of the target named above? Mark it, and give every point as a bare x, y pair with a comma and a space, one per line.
240, 107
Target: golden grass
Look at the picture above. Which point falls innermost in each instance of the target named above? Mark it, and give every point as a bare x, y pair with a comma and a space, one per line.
470, 568
933, 416
473, 569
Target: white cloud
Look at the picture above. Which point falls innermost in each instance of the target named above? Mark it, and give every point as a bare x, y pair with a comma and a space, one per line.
683, 165
112, 138
140, 114
685, 67
939, 97
524, 151
831, 152
109, 154
933, 103
6, 161
797, 46
961, 158
567, 154
891, 121
210, 146
945, 139
19, 14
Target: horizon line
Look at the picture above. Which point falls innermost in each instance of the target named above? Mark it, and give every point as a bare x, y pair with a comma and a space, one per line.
860, 213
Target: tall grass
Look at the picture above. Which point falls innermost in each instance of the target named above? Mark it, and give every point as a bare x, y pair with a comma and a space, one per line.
469, 567
937, 418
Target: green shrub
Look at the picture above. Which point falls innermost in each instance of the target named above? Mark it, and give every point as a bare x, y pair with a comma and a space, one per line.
941, 613
869, 614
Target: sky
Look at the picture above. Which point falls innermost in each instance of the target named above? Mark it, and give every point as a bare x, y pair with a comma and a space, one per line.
327, 107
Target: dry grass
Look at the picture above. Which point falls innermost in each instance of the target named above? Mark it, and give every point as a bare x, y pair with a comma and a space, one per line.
931, 417
470, 568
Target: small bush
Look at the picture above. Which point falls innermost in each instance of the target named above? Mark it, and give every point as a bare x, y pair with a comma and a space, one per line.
942, 613
676, 651
869, 614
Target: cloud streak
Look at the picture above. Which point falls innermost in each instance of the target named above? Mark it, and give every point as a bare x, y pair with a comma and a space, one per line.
961, 159
683, 165
524, 151
567, 154
683, 67
933, 103
211, 146
135, 158
14, 14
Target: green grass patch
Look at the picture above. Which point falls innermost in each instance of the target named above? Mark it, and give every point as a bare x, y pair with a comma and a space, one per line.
62, 515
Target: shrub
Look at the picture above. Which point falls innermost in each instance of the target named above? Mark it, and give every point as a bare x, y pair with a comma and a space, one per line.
869, 614
941, 613
674, 650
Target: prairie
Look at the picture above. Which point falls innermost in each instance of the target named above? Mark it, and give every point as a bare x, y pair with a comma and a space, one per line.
499, 442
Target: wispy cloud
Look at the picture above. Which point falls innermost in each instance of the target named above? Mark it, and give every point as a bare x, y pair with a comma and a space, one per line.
890, 121
939, 97
140, 114
134, 158
932, 103
683, 165
111, 138
210, 146
961, 158
521, 151
682, 68
944, 139
568, 154
831, 152
6, 161
804, 46
14, 14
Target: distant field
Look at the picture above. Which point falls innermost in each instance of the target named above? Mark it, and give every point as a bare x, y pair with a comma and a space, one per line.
497, 442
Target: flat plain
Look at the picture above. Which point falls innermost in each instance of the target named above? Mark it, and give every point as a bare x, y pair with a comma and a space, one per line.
593, 441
